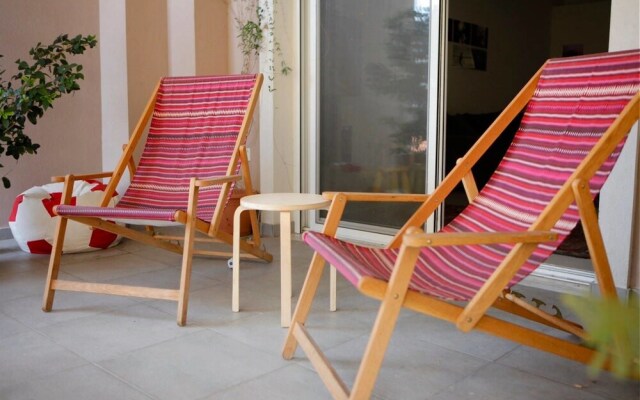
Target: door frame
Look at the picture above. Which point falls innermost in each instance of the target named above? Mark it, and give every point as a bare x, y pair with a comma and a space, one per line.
624, 12
310, 122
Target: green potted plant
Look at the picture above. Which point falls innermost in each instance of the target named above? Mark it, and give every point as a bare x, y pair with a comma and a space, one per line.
25, 96
257, 31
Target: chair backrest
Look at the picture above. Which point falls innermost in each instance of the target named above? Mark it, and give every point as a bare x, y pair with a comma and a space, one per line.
576, 101
195, 131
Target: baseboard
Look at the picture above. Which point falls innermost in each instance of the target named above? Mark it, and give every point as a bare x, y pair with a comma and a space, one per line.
560, 279
564, 274
624, 294
570, 280
5, 233
269, 230
273, 230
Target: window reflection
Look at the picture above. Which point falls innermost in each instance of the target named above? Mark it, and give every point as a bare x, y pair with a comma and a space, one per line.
373, 101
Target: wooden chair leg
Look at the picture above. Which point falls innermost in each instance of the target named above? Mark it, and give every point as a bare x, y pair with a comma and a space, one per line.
54, 264
187, 255
56, 251
375, 351
305, 301
385, 323
255, 228
314, 274
185, 276
593, 236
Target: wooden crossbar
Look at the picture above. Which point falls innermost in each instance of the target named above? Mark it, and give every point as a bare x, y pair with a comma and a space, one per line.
327, 373
118, 290
443, 310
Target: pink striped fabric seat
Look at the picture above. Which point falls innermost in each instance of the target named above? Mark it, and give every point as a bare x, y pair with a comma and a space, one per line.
576, 100
193, 133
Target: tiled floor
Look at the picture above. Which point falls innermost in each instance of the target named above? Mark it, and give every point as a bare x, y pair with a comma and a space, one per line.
102, 347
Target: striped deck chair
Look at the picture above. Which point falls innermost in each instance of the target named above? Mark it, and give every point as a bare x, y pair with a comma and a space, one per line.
193, 156
578, 114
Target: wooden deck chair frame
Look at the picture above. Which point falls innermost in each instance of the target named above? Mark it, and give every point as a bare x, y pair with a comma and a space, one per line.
252, 249
395, 294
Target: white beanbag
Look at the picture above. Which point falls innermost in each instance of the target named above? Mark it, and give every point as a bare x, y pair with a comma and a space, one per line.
33, 223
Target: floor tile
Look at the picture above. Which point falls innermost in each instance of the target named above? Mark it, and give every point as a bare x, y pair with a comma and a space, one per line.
211, 307
192, 366
66, 307
410, 370
88, 382
105, 269
422, 328
10, 326
263, 330
12, 259
570, 373
166, 278
84, 256
108, 335
30, 355
497, 382
165, 257
95, 346
291, 382
24, 284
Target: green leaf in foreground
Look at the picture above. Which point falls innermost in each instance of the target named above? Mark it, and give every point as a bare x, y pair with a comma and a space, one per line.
613, 329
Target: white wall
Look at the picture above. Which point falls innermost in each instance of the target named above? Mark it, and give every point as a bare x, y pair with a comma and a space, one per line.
280, 108
113, 81
238, 11
69, 133
618, 199
182, 37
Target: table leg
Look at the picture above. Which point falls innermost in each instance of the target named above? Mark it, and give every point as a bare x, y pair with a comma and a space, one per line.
235, 289
285, 268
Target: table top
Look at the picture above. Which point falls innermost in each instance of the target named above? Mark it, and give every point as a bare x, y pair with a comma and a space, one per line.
284, 201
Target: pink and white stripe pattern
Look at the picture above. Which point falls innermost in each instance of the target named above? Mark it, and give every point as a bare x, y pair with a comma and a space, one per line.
576, 100
193, 133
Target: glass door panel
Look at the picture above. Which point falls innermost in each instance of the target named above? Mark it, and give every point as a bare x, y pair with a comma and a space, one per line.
373, 72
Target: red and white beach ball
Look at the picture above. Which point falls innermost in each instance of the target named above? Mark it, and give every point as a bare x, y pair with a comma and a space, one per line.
33, 223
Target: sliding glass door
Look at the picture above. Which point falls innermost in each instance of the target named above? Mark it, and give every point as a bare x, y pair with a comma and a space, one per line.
373, 79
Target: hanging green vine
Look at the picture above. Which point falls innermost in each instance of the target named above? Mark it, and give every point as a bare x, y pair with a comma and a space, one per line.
254, 32
251, 36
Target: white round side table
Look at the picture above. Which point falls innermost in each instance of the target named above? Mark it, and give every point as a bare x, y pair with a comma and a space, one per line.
283, 203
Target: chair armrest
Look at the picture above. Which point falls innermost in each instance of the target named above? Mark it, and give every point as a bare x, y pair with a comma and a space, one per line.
339, 200
97, 175
420, 239
378, 197
216, 181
